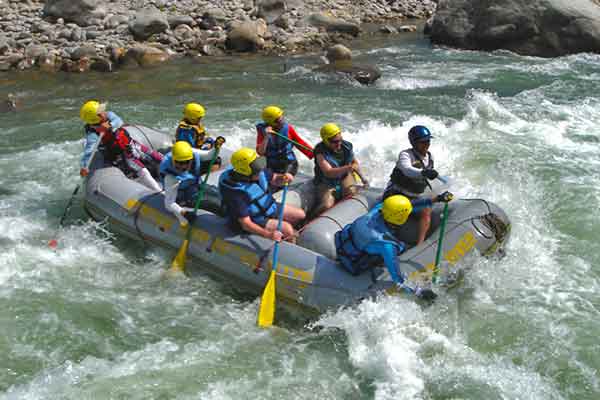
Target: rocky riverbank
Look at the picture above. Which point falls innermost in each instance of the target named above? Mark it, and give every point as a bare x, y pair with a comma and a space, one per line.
82, 35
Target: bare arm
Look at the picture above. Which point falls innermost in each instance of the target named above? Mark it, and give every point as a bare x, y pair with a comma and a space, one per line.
261, 142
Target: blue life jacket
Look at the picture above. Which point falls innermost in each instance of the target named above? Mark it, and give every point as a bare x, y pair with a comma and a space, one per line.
188, 180
278, 149
261, 204
348, 157
352, 241
195, 135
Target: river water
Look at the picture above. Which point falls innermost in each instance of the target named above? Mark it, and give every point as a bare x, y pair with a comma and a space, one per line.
96, 319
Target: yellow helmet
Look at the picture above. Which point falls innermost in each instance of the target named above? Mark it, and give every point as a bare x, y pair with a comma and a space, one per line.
193, 112
241, 160
182, 151
329, 130
270, 114
396, 209
90, 110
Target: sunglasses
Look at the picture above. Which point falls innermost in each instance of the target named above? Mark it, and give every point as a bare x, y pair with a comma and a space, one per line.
182, 163
336, 141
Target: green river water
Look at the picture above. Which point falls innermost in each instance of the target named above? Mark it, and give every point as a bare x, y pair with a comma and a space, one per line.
96, 319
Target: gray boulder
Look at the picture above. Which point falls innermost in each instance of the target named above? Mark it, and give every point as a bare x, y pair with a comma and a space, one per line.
331, 24
270, 10
81, 12
545, 28
148, 22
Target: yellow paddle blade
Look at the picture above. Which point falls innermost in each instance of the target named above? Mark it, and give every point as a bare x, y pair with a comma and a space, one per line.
266, 311
178, 264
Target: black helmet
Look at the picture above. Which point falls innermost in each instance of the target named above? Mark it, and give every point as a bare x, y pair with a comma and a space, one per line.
419, 133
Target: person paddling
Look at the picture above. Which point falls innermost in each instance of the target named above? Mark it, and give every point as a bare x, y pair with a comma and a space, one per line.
180, 173
117, 146
413, 168
373, 239
249, 204
276, 140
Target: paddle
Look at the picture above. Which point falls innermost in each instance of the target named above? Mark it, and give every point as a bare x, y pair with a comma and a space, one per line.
438, 256
266, 311
54, 242
291, 141
178, 264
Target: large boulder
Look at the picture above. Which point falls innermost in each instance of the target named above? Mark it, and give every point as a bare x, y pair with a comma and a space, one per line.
332, 24
270, 10
147, 22
80, 12
545, 28
340, 62
246, 36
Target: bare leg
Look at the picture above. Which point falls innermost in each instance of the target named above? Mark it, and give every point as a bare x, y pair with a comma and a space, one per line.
293, 214
325, 199
424, 224
288, 231
349, 187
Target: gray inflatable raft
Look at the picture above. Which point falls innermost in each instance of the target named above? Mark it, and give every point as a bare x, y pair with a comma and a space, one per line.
308, 274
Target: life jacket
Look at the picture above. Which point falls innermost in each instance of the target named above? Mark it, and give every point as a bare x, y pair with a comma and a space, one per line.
188, 180
348, 157
195, 135
113, 143
279, 152
262, 205
413, 185
351, 242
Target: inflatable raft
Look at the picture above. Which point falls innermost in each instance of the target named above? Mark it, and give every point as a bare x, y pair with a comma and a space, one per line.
308, 273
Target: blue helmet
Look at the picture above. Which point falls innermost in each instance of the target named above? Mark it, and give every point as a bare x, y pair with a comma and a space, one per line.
419, 133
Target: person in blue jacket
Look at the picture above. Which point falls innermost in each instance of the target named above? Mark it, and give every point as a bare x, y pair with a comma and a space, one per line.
371, 239
191, 130
247, 199
180, 173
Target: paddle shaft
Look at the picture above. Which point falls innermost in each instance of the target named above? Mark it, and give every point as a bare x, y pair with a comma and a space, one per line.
438, 255
202, 189
53, 242
279, 224
291, 141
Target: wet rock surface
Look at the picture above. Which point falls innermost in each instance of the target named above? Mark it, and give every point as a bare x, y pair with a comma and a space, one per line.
79, 35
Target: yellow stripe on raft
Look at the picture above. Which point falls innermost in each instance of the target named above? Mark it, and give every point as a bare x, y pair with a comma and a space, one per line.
452, 256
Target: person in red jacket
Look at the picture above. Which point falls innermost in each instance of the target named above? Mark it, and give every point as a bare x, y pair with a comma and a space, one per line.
276, 140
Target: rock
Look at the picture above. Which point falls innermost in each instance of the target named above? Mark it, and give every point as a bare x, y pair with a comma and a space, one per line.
408, 28
364, 74
331, 24
78, 11
245, 36
113, 21
10, 104
144, 56
338, 52
83, 51
35, 51
147, 22
212, 18
270, 10
48, 63
176, 20
102, 64
545, 28
388, 29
